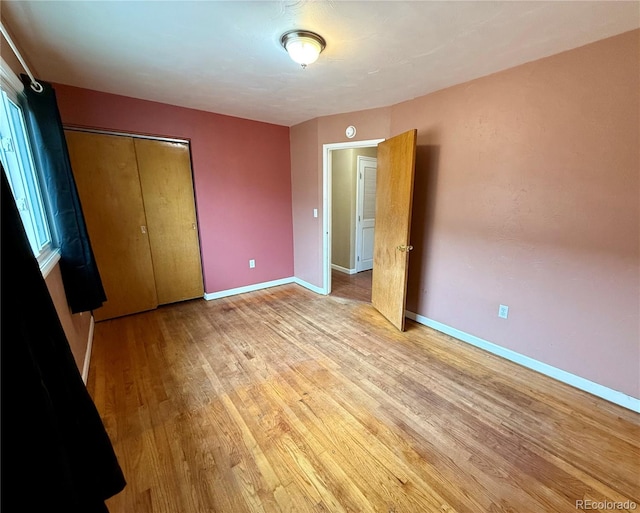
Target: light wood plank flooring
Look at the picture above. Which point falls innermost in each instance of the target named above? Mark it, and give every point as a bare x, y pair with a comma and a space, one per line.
352, 286
282, 400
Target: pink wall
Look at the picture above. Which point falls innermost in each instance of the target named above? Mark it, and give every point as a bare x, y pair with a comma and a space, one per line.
370, 124
306, 196
241, 174
527, 194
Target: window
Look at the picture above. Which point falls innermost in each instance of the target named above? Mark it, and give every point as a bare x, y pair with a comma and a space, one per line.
17, 160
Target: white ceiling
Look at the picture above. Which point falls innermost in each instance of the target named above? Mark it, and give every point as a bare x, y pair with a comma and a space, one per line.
225, 56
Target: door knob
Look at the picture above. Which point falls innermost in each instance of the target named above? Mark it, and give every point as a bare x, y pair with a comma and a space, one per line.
404, 248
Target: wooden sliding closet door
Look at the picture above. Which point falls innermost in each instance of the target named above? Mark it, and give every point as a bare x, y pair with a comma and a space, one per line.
106, 173
167, 190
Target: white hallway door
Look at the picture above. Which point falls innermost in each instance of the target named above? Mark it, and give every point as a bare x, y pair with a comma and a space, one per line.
366, 212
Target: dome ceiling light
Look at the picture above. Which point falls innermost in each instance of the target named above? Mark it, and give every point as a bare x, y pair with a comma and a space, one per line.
303, 46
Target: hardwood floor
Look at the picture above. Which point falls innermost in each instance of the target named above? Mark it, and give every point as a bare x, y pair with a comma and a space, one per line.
351, 286
284, 400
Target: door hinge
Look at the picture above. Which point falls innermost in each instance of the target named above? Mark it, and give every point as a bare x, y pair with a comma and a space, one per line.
358, 258
360, 175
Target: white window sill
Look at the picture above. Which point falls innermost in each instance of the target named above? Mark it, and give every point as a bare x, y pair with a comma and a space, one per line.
48, 261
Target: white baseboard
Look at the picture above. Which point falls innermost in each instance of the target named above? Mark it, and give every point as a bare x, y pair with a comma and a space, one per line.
308, 285
263, 285
337, 267
87, 354
619, 398
248, 288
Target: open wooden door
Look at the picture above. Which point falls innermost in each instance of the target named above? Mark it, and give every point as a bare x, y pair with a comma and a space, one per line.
394, 195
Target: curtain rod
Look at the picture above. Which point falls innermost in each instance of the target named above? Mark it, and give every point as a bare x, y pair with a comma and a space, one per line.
35, 85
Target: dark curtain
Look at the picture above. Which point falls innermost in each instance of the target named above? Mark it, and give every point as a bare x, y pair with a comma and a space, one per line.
56, 453
82, 283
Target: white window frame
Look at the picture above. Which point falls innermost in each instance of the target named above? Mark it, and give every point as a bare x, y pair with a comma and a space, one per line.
18, 168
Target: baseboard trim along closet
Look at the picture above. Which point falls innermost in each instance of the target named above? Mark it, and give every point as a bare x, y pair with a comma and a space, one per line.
87, 354
614, 396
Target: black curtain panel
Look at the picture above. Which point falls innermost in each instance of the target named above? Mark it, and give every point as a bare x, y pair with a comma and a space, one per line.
80, 275
56, 453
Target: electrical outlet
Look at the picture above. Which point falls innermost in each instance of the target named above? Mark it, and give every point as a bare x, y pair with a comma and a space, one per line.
252, 263
315, 212
503, 311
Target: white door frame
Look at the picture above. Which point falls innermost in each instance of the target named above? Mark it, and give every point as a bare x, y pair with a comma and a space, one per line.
359, 198
326, 203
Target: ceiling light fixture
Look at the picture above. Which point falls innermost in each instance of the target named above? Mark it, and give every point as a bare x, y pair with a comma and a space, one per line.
303, 46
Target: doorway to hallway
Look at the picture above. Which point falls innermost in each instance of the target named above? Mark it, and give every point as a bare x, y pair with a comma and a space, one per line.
347, 227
